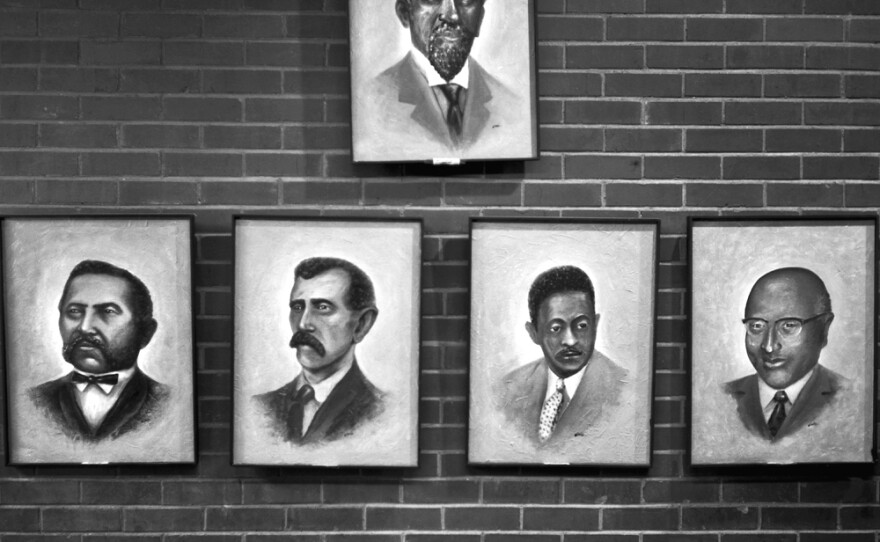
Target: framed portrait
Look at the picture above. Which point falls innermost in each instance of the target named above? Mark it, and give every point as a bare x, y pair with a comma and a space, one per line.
782, 340
443, 82
326, 342
98, 337
561, 342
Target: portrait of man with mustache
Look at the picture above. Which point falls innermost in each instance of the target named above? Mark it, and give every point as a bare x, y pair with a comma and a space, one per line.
438, 100
105, 316
332, 308
572, 387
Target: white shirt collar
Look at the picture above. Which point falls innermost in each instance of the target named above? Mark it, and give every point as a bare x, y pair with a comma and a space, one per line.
767, 393
324, 387
124, 377
571, 383
461, 79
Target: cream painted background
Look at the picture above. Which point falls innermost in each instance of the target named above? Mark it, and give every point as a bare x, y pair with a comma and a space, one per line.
267, 251
727, 260
38, 255
506, 258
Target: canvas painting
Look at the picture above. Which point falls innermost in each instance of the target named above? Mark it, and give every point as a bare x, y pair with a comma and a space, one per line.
442, 82
562, 327
326, 342
782, 340
98, 340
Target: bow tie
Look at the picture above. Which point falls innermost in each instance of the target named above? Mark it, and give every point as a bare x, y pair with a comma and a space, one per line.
111, 379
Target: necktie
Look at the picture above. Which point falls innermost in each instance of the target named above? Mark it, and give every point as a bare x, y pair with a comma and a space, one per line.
777, 418
550, 412
454, 114
295, 415
79, 378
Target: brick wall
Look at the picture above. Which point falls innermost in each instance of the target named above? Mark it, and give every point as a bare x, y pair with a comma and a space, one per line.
649, 108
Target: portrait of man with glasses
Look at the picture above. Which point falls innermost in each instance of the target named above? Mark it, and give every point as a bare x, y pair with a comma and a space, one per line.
787, 319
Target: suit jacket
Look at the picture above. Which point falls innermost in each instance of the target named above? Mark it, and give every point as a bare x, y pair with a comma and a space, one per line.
352, 401
598, 393
396, 116
141, 401
820, 393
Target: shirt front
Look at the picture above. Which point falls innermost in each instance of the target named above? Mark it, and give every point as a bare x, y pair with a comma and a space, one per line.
96, 400
571, 385
322, 391
436, 81
767, 393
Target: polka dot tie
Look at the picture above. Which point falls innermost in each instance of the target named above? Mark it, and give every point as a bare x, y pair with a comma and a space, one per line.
777, 418
551, 411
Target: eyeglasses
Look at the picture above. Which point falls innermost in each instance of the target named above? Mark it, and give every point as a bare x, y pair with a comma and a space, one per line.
789, 327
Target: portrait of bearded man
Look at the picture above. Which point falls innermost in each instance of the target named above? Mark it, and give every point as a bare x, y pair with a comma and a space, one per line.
436, 101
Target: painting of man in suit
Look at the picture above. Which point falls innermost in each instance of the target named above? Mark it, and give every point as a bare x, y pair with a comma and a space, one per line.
436, 100
561, 342
569, 388
105, 316
788, 316
782, 349
332, 308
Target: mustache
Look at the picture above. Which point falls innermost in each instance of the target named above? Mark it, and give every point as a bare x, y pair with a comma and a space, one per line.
78, 339
302, 338
452, 29
570, 351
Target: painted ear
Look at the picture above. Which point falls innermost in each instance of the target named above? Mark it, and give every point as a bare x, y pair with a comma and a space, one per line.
826, 327
403, 12
533, 332
147, 332
365, 321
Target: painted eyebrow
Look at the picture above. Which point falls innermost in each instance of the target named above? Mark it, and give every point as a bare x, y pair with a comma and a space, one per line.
319, 301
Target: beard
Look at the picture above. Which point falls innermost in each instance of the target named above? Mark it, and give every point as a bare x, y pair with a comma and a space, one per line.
301, 338
114, 359
448, 49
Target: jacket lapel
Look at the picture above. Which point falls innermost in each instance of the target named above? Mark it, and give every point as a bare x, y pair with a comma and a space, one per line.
414, 90
476, 112
812, 399
126, 407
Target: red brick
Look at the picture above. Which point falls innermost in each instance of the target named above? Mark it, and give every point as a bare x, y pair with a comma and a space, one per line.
285, 54
601, 112
77, 192
684, 112
552, 27
241, 81
648, 195
604, 6
684, 6
162, 80
681, 491
570, 84
24, 519
700, 57
322, 192
242, 137
803, 140
160, 136
801, 85
21, 492
197, 53
18, 135
283, 110
807, 195
760, 113
18, 79
317, 137
741, 57
316, 82
842, 7
326, 518
859, 517
78, 135
82, 519
483, 193
482, 518
202, 164
861, 140
563, 195
542, 518
643, 140
36, 52
841, 167
603, 56
722, 84
570, 138
644, 29
682, 167
79, 80
279, 492
120, 108
313, 25
643, 85
602, 492
603, 167
157, 193
837, 536
724, 140
245, 519
639, 519
120, 4
760, 6
761, 167
835, 113
721, 195
243, 26
203, 5
283, 165
724, 29
849, 57
806, 518
237, 193
359, 492
38, 107
550, 56
518, 491
864, 30
719, 518
13, 192
759, 491
804, 29
202, 109
545, 167
18, 23
161, 25
386, 518
38, 164
120, 53
862, 86
79, 24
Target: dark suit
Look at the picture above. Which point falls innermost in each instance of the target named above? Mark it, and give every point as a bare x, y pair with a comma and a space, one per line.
352, 401
598, 393
397, 116
141, 401
821, 391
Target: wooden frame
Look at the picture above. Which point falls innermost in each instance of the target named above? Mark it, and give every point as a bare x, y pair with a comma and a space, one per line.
607, 416
400, 116
370, 417
771, 271
102, 316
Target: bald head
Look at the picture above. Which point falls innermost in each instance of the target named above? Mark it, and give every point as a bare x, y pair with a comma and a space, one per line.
793, 286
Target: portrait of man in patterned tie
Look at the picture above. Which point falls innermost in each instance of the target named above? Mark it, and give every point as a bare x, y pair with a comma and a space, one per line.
105, 316
437, 100
332, 309
787, 319
568, 390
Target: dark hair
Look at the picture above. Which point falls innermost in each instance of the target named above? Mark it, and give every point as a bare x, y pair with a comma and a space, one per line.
360, 293
565, 278
138, 294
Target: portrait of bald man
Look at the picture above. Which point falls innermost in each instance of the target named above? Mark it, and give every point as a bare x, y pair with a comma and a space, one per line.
782, 340
787, 321
436, 100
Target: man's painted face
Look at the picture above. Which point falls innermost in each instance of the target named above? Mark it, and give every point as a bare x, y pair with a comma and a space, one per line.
98, 326
565, 331
324, 328
443, 30
779, 347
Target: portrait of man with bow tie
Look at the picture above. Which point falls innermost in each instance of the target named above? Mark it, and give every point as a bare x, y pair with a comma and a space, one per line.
105, 316
436, 100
